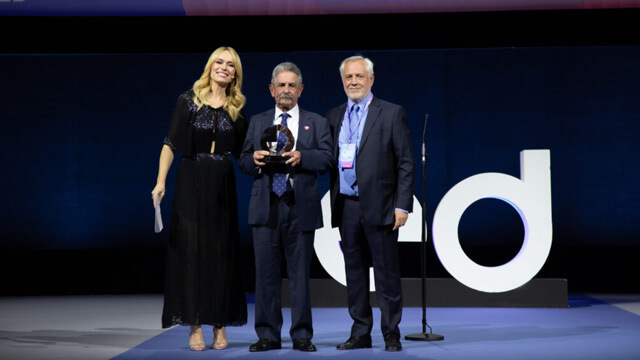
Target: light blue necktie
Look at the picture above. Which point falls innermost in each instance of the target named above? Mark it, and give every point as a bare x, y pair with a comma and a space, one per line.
349, 175
279, 185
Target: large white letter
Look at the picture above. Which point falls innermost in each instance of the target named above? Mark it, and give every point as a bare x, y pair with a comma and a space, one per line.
530, 196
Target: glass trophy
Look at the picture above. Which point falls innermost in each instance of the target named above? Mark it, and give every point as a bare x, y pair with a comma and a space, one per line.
269, 142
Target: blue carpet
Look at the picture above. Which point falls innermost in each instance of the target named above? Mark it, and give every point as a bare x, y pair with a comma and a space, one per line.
588, 329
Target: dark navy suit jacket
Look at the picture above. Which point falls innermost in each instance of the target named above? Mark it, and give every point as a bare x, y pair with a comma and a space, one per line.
315, 145
385, 163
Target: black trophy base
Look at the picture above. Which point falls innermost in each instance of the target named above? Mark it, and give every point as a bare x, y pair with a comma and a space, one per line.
276, 159
424, 337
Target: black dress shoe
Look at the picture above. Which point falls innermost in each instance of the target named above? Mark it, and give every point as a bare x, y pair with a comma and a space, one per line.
392, 342
304, 344
265, 345
356, 342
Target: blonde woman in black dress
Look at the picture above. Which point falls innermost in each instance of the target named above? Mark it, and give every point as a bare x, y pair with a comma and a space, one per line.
203, 284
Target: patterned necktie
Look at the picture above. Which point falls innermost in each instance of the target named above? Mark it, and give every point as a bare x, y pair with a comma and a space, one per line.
279, 185
349, 175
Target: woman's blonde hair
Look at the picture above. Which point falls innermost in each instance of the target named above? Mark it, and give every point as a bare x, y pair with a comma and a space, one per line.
235, 99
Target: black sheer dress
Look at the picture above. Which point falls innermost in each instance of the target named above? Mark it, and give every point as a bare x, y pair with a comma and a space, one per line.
203, 282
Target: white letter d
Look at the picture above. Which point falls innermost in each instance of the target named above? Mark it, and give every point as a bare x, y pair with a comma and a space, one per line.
530, 196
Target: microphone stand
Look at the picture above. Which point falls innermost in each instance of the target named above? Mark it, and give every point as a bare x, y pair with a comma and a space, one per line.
424, 336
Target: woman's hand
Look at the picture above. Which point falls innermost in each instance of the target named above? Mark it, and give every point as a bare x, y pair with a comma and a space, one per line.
166, 158
157, 194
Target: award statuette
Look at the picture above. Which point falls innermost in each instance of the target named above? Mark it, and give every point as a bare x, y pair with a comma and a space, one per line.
269, 141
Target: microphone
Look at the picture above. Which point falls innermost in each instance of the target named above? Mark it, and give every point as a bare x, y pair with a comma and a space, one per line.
424, 336
424, 131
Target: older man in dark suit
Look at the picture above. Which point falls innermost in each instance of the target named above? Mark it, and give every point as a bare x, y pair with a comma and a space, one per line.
284, 208
371, 197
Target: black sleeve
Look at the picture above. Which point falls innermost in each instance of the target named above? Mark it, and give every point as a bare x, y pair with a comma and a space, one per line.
179, 135
240, 134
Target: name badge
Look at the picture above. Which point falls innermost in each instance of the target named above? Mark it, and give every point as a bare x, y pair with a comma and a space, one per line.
347, 155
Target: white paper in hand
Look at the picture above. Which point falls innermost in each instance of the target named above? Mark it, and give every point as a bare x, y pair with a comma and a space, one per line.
158, 225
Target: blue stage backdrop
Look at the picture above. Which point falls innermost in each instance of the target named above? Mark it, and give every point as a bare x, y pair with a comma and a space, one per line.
83, 132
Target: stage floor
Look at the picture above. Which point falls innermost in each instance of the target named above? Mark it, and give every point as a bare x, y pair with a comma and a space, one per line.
127, 327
